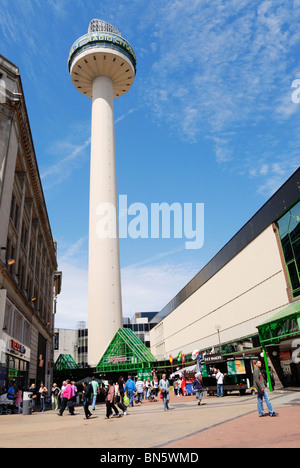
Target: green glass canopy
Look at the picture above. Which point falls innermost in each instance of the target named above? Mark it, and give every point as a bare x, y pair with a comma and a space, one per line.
283, 324
65, 362
126, 352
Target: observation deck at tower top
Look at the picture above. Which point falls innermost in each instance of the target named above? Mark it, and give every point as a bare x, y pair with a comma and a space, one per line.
102, 52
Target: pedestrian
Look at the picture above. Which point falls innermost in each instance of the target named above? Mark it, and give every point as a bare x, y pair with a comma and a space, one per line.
43, 393
18, 400
87, 393
198, 387
139, 390
66, 397
183, 386
64, 384
121, 383
72, 400
155, 386
165, 388
260, 385
95, 391
130, 389
220, 383
148, 386
179, 391
34, 392
11, 392
110, 400
55, 391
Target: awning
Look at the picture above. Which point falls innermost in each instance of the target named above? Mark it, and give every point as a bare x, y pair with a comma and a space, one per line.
185, 370
284, 324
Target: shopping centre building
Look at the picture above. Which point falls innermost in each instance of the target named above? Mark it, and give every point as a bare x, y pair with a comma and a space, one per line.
29, 280
247, 298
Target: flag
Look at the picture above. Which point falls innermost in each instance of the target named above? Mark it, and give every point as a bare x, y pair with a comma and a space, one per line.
179, 356
183, 358
170, 358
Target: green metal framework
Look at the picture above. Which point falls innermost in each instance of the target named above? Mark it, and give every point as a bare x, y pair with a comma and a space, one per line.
282, 325
126, 352
289, 233
65, 362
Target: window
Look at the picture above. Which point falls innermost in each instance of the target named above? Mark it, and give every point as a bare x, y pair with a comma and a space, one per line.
289, 232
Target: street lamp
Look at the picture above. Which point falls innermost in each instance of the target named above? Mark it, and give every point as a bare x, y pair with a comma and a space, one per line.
218, 328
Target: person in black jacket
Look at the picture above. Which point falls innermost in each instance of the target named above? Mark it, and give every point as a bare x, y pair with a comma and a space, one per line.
87, 393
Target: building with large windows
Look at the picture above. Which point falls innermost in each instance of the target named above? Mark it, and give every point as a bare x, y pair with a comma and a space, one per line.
29, 280
249, 282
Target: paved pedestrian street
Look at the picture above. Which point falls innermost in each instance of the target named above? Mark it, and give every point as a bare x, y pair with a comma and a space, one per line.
231, 421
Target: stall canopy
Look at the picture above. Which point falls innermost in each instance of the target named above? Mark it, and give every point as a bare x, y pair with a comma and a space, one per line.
126, 352
185, 370
284, 324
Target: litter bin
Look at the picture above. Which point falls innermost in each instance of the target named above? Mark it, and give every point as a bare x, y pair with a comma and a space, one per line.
27, 396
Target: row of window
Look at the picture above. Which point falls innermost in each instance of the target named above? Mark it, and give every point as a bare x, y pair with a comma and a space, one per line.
29, 269
16, 325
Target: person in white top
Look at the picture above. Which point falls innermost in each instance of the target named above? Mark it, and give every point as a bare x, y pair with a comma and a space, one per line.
220, 383
140, 390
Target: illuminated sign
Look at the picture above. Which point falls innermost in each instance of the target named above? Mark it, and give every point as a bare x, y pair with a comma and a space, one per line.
101, 38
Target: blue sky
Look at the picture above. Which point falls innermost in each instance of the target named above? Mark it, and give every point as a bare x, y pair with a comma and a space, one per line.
210, 119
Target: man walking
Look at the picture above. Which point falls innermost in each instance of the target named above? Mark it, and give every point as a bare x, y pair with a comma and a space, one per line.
86, 393
259, 383
220, 383
140, 390
130, 389
95, 387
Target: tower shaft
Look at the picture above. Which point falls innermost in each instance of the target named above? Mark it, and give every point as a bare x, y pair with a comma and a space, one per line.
105, 307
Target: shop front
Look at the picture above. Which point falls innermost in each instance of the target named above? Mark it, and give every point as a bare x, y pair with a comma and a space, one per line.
14, 365
280, 340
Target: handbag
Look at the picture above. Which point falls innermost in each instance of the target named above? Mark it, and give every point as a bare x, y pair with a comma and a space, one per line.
126, 400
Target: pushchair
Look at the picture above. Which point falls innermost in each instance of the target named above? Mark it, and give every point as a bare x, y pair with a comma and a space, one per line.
151, 394
6, 405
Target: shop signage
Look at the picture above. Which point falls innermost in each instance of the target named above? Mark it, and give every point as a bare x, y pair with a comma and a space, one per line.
212, 358
116, 359
143, 374
16, 348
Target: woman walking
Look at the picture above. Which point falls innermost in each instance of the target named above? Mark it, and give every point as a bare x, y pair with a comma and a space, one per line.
198, 387
54, 396
43, 393
165, 388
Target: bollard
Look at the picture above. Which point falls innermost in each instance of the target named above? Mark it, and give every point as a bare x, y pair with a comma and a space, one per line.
27, 396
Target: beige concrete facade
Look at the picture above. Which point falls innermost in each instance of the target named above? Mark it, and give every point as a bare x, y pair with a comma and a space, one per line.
29, 285
247, 290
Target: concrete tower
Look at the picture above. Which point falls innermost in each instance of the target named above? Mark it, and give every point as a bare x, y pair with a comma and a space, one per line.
102, 65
